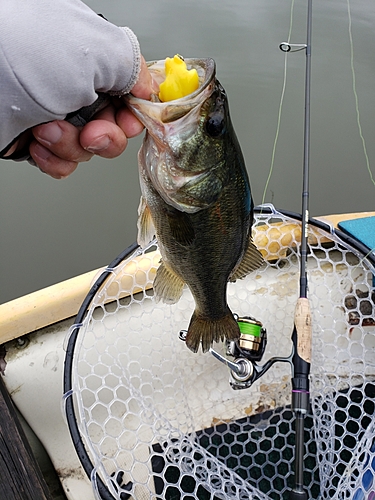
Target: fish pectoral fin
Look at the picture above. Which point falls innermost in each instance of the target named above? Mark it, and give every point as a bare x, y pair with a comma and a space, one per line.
146, 229
181, 228
167, 285
251, 261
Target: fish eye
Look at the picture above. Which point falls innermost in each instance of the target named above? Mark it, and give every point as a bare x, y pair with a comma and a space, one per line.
215, 124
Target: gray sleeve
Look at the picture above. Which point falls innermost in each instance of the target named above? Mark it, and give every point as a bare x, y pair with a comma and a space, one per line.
54, 58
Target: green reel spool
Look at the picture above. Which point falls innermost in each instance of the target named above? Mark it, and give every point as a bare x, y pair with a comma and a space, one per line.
250, 327
253, 337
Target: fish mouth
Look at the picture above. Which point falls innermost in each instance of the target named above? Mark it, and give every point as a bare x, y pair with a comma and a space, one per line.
205, 68
170, 124
155, 111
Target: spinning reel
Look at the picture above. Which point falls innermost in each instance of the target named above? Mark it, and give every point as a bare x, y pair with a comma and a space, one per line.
246, 352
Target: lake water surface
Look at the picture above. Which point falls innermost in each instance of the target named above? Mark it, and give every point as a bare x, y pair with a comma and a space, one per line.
53, 230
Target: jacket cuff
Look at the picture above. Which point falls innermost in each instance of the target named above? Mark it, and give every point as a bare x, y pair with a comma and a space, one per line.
137, 63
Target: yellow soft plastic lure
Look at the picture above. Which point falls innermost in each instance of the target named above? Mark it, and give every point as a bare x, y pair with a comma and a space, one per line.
179, 81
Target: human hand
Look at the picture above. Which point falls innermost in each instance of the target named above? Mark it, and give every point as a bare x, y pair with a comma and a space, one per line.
58, 147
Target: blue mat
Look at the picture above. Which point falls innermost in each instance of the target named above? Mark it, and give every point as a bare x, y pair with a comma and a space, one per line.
363, 230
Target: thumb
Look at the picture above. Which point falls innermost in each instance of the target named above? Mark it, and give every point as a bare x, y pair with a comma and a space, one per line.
145, 85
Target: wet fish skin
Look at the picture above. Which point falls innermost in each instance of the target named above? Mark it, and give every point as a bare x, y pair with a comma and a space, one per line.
196, 199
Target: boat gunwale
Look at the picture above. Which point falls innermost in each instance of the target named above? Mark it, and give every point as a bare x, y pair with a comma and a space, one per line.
63, 300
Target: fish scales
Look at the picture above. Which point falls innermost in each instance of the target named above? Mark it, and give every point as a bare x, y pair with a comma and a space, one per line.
196, 199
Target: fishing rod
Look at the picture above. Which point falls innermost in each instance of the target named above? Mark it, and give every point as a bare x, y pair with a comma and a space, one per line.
244, 370
302, 331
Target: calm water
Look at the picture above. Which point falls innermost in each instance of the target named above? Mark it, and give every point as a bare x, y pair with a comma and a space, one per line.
53, 230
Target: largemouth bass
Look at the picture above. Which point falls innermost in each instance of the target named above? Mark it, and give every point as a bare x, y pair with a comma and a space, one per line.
196, 199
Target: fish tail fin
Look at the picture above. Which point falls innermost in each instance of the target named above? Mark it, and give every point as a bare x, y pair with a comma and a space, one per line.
205, 331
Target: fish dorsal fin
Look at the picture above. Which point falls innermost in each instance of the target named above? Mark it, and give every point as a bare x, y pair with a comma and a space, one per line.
251, 261
146, 229
167, 285
181, 228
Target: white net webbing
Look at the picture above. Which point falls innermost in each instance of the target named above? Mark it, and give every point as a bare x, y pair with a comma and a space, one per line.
161, 422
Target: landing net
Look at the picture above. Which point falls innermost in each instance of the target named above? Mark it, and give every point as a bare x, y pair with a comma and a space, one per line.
152, 420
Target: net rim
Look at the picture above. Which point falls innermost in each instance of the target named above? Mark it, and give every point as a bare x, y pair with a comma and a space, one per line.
70, 413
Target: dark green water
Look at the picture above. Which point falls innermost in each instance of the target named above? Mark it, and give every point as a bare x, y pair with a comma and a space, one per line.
52, 230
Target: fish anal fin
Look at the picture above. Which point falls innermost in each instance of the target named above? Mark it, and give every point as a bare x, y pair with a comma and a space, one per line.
146, 229
204, 331
181, 228
251, 261
167, 285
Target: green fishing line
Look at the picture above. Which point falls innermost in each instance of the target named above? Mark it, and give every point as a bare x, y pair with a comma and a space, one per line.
354, 86
280, 107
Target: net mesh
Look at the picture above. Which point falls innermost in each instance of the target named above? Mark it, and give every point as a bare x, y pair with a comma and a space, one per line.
161, 422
